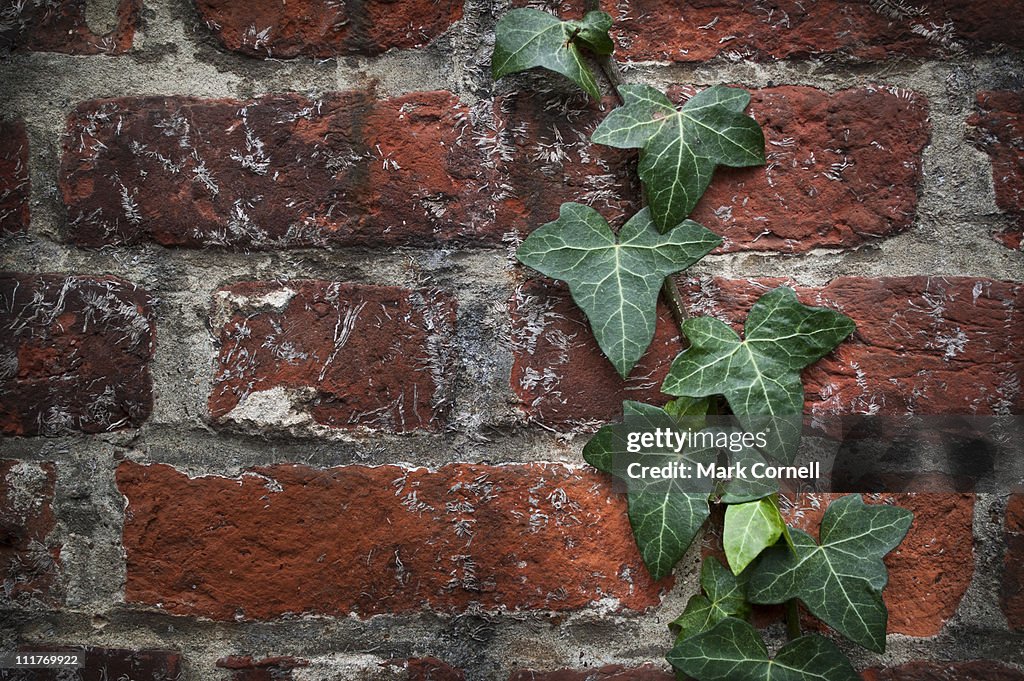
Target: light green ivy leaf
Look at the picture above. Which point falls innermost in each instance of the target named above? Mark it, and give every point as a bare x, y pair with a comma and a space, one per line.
733, 651
614, 281
665, 514
759, 376
681, 148
525, 38
725, 595
841, 579
749, 529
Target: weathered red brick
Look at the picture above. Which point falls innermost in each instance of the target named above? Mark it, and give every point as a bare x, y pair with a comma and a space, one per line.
60, 26
930, 571
539, 145
662, 30
274, 172
14, 179
74, 354
999, 132
107, 664
245, 668
28, 557
341, 355
923, 345
612, 672
842, 169
1012, 595
559, 374
926, 670
367, 540
316, 29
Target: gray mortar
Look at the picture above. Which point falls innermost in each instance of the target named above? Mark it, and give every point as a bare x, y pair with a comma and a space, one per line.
174, 54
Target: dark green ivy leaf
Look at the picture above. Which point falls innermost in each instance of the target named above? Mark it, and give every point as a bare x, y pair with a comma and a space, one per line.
525, 38
665, 513
759, 376
681, 148
733, 651
725, 595
614, 281
841, 579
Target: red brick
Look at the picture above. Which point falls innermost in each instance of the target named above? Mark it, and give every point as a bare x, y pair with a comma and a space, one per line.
60, 26
923, 345
999, 131
540, 147
341, 355
929, 572
245, 668
30, 560
266, 28
107, 664
367, 540
612, 672
274, 172
842, 169
75, 354
1012, 596
661, 30
924, 670
14, 179
559, 374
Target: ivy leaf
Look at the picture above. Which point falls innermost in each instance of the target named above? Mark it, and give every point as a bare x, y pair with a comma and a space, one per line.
841, 580
681, 148
759, 376
740, 490
734, 651
725, 595
750, 528
665, 514
614, 281
525, 38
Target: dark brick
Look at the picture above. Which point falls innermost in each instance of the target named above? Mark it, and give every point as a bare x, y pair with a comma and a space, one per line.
107, 664
999, 132
924, 670
842, 170
245, 668
1012, 594
74, 354
923, 345
60, 26
14, 179
368, 540
930, 571
28, 558
266, 28
664, 30
539, 145
341, 355
559, 374
274, 172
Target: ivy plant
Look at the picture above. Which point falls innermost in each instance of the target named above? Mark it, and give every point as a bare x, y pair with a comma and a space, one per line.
615, 279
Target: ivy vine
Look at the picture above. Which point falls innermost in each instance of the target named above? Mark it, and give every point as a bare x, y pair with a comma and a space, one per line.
615, 279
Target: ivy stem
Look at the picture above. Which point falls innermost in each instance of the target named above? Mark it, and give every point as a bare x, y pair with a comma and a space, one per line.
792, 619
669, 292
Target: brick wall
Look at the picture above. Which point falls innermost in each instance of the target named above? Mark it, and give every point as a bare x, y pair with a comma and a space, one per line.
277, 403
